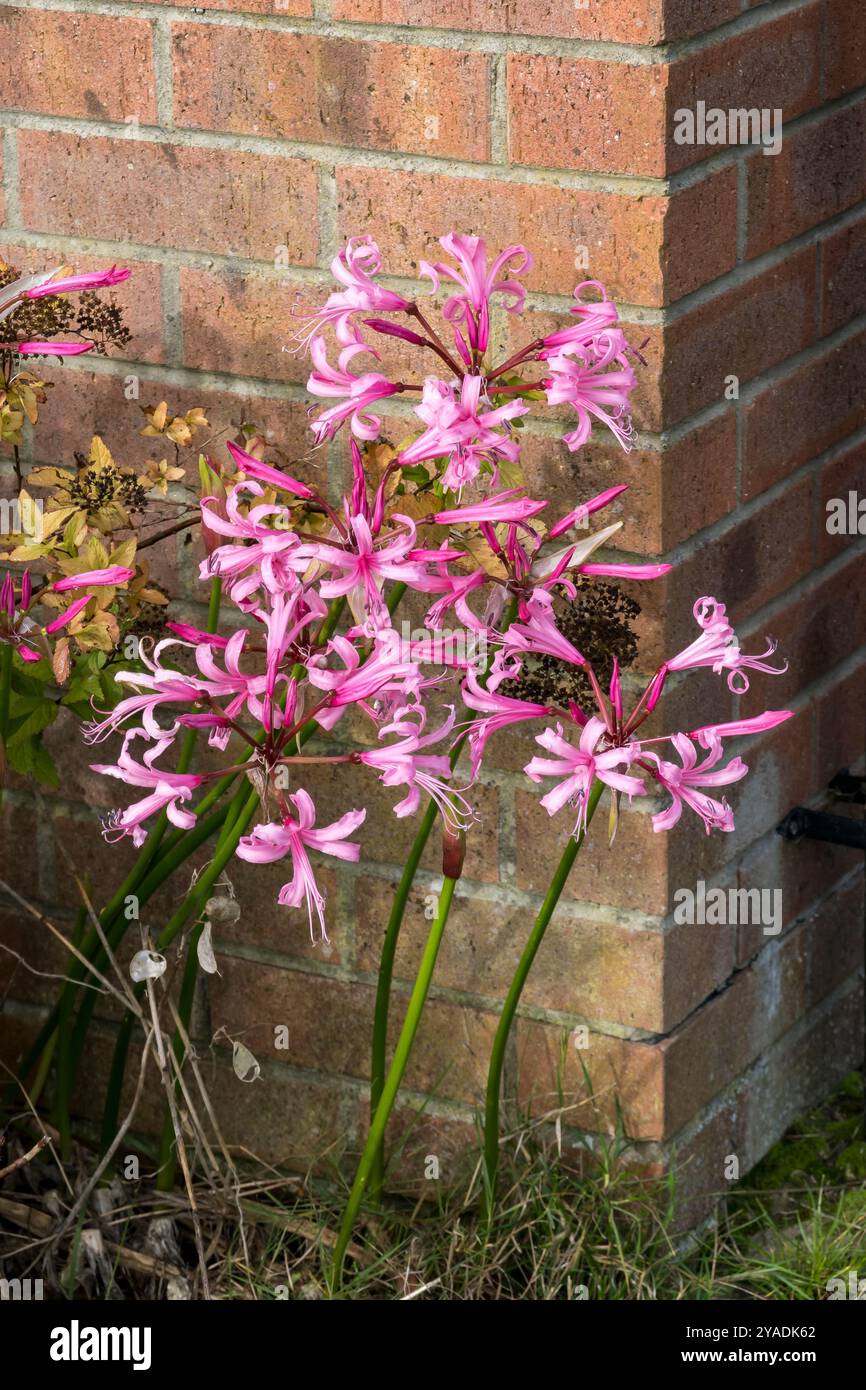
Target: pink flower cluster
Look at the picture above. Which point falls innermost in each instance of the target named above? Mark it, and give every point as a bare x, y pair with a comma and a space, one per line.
286, 557
469, 415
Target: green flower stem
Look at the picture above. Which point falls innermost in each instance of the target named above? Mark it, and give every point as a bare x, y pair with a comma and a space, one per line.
395, 1075
389, 949
5, 687
383, 987
512, 999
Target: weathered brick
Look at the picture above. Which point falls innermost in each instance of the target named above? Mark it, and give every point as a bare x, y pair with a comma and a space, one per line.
330, 1021
230, 202
740, 333
640, 22
814, 634
620, 117
553, 1077
291, 9
337, 91
776, 67
243, 321
844, 276
633, 875
841, 715
803, 414
595, 969
801, 875
628, 240
569, 113
700, 234
845, 46
818, 174
91, 65
744, 568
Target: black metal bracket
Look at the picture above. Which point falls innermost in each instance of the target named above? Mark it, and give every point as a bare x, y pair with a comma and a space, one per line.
805, 824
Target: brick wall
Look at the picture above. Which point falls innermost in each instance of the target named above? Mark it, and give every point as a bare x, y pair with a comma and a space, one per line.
225, 152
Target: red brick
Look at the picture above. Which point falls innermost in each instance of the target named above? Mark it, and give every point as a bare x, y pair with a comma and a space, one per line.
844, 273
88, 65
745, 567
718, 1042
571, 113
227, 201
553, 1076
841, 729
241, 322
336, 91
698, 471
19, 857
619, 117
776, 67
628, 239
330, 1023
700, 234
268, 926
640, 22
593, 969
140, 297
291, 9
814, 634
802, 877
741, 333
290, 1122
845, 46
819, 173
632, 875
803, 414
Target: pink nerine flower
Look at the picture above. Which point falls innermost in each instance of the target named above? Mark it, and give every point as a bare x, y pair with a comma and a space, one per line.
168, 791
684, 784
295, 836
49, 348
499, 712
401, 764
471, 309
87, 579
356, 683
360, 392
756, 724
718, 647
597, 380
579, 767
594, 316
364, 566
354, 267
461, 427
71, 284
